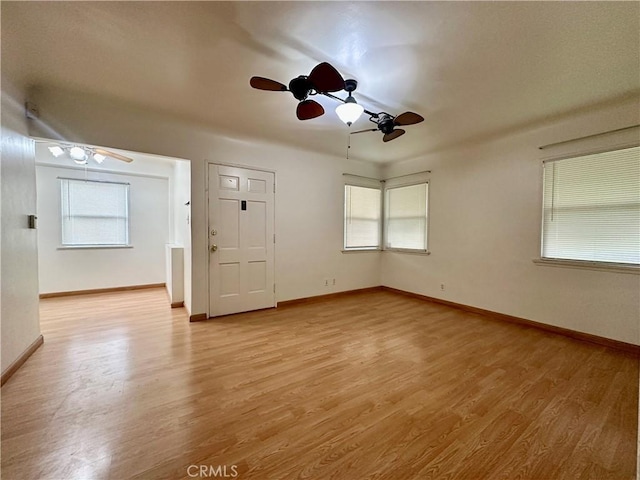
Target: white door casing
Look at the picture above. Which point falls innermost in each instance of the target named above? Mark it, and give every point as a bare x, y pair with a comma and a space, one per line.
241, 240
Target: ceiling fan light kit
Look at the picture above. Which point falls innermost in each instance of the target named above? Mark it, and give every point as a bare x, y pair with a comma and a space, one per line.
81, 155
349, 111
325, 79
56, 151
78, 153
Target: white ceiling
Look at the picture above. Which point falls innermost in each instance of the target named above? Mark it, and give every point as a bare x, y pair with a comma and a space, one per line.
472, 69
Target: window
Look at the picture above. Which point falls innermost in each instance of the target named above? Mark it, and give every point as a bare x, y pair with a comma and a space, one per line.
591, 208
362, 212
406, 217
94, 213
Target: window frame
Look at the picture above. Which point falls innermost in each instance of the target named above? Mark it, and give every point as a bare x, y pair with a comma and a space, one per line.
419, 178
361, 182
390, 185
541, 260
74, 246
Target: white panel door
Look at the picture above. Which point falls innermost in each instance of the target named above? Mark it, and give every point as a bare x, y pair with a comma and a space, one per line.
241, 240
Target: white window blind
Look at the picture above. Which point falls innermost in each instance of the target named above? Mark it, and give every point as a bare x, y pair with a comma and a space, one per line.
94, 213
362, 207
592, 208
406, 217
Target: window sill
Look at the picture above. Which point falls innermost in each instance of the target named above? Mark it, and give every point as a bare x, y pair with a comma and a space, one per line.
361, 250
404, 250
91, 247
587, 265
394, 250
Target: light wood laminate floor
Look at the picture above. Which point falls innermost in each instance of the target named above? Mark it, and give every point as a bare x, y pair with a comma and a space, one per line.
373, 385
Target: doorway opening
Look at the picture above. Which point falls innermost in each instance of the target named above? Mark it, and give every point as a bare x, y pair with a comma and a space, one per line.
107, 224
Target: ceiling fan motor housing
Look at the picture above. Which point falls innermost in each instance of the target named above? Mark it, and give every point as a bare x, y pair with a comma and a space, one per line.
386, 124
300, 87
350, 85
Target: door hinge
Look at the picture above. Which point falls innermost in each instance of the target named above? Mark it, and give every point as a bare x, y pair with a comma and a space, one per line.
274, 187
274, 238
274, 288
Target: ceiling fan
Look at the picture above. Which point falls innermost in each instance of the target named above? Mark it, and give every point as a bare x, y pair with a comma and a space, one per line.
387, 124
81, 154
324, 79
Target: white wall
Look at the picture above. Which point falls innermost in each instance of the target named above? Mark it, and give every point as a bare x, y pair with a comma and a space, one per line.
64, 270
484, 227
181, 195
308, 200
485, 216
309, 218
19, 267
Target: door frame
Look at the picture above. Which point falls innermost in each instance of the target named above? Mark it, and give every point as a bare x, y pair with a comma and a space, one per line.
207, 195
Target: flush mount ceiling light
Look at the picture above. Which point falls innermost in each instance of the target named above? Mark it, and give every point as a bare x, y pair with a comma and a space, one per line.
325, 79
81, 154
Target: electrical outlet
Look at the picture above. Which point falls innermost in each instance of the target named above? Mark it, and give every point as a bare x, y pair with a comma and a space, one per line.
442, 286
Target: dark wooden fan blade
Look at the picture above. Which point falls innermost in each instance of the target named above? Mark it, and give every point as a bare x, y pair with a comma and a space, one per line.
325, 78
267, 84
398, 132
408, 118
367, 130
117, 156
309, 109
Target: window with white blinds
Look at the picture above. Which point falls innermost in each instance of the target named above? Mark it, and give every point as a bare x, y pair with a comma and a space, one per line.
362, 213
94, 213
406, 210
591, 208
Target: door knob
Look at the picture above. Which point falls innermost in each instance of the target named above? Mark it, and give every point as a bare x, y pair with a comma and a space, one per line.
214, 248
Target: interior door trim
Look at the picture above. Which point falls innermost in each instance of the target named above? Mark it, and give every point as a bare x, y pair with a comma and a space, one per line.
239, 165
